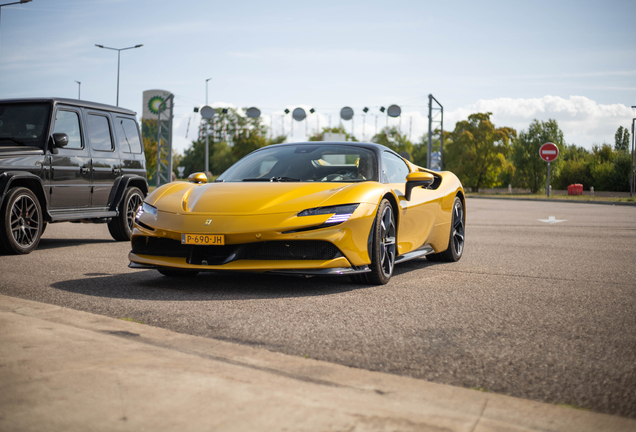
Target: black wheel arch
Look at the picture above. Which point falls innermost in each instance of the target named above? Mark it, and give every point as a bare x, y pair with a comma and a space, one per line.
123, 183
11, 179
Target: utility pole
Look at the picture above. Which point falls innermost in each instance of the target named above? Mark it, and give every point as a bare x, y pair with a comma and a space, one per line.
632, 173
207, 133
79, 89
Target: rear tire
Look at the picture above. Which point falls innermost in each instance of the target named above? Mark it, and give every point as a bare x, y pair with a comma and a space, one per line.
457, 236
121, 227
177, 273
21, 221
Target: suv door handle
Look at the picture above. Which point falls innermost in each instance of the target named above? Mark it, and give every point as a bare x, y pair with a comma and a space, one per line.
84, 170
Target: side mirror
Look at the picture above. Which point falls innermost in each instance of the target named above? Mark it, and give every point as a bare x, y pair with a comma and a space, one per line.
60, 139
198, 178
416, 179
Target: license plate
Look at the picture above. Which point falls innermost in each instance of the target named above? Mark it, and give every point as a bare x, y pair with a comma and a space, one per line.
203, 239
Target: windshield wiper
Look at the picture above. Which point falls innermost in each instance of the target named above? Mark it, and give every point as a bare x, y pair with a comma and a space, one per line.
12, 139
272, 179
284, 179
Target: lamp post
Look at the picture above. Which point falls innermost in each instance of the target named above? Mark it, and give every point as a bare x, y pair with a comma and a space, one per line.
207, 132
119, 50
14, 3
632, 173
79, 89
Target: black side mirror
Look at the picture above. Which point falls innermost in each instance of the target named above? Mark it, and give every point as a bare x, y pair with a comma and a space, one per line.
416, 179
60, 139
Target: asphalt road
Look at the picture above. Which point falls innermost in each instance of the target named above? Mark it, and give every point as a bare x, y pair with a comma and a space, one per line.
534, 310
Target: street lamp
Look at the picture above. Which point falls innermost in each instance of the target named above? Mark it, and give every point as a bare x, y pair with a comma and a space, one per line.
119, 50
206, 90
79, 89
207, 118
14, 3
632, 173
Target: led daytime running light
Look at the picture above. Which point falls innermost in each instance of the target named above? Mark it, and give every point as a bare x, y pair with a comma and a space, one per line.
146, 208
341, 213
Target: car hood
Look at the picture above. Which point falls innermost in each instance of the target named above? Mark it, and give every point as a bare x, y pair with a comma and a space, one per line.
248, 197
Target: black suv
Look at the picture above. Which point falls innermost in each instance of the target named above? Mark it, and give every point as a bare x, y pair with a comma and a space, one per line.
67, 160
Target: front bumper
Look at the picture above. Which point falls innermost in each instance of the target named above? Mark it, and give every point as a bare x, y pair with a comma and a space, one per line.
350, 238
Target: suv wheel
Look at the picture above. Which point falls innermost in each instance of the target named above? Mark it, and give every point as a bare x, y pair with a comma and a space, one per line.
121, 226
21, 217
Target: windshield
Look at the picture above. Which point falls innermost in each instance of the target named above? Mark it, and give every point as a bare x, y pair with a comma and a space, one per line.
305, 163
23, 124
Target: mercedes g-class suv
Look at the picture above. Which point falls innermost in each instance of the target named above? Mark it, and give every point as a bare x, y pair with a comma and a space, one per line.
65, 160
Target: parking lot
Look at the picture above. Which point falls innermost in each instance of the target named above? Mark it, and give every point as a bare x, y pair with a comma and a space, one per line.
538, 310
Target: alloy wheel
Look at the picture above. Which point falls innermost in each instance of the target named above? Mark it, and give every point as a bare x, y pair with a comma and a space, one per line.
458, 228
387, 242
25, 221
131, 209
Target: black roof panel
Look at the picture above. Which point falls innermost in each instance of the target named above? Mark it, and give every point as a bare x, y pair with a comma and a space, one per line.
73, 102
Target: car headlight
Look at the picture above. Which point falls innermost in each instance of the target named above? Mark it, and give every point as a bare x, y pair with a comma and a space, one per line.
340, 213
146, 208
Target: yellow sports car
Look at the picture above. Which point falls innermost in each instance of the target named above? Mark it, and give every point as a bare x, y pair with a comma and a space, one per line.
314, 208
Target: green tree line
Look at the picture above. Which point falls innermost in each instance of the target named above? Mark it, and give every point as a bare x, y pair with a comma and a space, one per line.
481, 154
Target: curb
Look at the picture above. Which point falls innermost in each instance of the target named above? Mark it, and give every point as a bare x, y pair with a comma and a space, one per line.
556, 200
90, 372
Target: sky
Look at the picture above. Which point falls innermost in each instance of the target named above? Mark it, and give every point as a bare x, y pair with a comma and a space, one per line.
573, 61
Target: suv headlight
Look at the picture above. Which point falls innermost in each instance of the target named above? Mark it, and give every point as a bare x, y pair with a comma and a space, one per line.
145, 208
340, 213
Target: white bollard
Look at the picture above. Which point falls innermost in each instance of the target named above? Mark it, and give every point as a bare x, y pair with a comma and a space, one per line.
592, 190
510, 189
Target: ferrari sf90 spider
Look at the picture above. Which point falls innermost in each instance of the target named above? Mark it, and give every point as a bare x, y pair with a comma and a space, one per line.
315, 208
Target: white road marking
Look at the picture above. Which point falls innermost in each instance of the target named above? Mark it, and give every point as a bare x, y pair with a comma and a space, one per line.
551, 220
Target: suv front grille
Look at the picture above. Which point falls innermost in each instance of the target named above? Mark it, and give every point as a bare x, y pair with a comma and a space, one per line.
216, 255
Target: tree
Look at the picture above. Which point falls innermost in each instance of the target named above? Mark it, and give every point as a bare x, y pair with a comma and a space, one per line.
530, 169
477, 151
336, 130
235, 137
610, 169
621, 140
393, 139
149, 138
575, 167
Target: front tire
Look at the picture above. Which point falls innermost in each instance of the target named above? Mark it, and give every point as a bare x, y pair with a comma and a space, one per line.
21, 221
121, 227
384, 248
457, 236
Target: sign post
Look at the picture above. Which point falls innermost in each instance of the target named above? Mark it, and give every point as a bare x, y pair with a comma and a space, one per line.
207, 112
548, 152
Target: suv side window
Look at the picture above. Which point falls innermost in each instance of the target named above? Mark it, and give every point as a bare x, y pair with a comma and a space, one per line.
99, 133
128, 135
68, 122
394, 169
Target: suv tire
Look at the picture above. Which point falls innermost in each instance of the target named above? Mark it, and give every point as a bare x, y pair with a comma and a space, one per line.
21, 220
120, 227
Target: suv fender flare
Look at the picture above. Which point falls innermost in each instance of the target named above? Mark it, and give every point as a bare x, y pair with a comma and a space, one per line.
123, 183
25, 179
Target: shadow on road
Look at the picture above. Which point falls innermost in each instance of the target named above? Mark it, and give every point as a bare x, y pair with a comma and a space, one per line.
54, 243
151, 285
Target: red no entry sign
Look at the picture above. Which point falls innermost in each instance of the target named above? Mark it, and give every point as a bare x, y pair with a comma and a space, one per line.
549, 152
